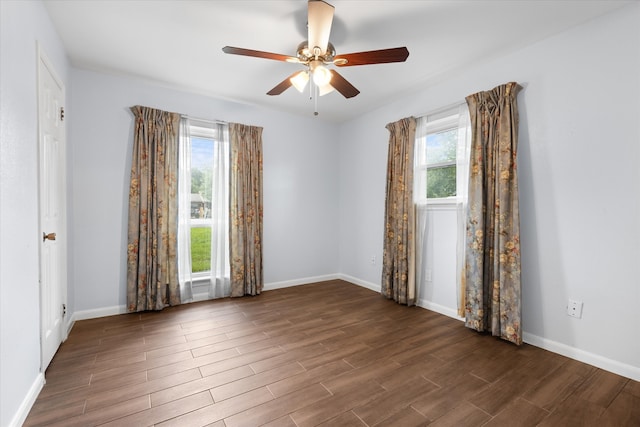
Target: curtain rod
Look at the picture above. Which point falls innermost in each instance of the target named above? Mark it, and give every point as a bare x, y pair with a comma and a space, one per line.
215, 122
442, 109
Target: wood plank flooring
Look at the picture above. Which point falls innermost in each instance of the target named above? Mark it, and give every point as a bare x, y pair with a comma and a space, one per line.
324, 354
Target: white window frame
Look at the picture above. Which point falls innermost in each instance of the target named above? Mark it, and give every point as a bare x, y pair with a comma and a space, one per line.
448, 119
202, 132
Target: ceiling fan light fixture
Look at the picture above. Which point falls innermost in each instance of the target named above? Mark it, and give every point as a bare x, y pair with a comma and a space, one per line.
321, 75
317, 52
299, 81
323, 90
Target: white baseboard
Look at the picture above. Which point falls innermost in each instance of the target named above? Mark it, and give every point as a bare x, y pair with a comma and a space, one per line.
71, 320
610, 365
297, 282
98, 312
26, 405
432, 306
598, 361
420, 303
359, 282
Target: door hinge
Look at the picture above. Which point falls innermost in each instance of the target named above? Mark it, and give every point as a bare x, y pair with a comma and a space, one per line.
62, 114
64, 310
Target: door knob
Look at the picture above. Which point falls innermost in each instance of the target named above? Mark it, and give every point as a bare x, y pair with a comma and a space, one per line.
50, 236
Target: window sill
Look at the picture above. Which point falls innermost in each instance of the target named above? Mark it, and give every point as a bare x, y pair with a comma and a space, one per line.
200, 279
449, 203
203, 279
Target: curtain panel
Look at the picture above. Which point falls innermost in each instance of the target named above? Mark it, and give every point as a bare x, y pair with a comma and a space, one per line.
398, 258
245, 210
462, 192
493, 289
219, 281
423, 227
184, 212
152, 262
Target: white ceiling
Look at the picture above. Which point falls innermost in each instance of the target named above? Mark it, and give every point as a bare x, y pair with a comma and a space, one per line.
178, 43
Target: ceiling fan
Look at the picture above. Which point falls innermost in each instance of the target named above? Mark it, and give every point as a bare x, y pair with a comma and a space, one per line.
317, 52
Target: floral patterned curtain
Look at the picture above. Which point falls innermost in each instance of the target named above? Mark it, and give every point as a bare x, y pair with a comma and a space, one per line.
398, 259
152, 262
245, 210
493, 221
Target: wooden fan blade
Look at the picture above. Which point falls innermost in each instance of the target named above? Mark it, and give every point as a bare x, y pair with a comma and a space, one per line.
283, 85
259, 54
341, 84
397, 54
319, 20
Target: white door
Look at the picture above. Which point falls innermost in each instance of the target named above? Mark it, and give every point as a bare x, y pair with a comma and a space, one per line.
51, 154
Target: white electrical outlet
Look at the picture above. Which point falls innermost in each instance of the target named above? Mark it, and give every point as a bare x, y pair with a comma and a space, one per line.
373, 260
428, 275
574, 309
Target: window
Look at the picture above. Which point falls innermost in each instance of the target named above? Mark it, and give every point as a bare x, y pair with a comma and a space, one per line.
436, 160
203, 226
202, 141
204, 169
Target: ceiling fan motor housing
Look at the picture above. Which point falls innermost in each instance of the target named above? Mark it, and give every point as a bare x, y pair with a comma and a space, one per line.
305, 55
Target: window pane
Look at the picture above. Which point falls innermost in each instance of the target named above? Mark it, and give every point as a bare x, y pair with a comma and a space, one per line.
441, 182
442, 146
201, 172
202, 161
200, 249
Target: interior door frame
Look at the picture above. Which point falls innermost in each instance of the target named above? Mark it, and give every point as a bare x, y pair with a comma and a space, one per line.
44, 62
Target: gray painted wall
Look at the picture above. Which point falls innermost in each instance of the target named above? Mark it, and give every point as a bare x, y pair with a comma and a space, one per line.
324, 189
579, 152
22, 24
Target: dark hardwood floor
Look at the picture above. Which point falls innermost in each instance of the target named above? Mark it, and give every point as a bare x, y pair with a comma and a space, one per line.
328, 354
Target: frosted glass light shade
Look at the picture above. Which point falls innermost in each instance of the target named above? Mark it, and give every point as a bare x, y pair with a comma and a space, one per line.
323, 90
299, 81
321, 76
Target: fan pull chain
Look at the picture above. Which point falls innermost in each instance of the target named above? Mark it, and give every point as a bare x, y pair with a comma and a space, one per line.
315, 102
